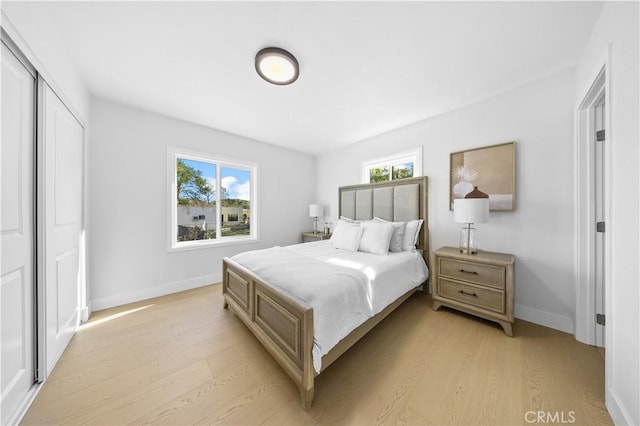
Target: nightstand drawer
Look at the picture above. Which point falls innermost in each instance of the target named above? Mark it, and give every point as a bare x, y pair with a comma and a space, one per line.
471, 295
486, 275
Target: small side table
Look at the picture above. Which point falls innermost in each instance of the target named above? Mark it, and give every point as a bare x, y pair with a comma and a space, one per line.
478, 284
314, 236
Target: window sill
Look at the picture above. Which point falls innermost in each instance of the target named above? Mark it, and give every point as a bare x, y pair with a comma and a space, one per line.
229, 241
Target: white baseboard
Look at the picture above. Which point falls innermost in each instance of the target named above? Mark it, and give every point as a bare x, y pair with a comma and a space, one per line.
555, 321
148, 293
618, 414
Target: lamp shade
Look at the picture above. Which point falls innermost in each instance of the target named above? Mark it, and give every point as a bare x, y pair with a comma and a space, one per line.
316, 210
471, 210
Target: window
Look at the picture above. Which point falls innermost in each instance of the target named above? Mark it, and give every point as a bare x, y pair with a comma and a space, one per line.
203, 188
401, 166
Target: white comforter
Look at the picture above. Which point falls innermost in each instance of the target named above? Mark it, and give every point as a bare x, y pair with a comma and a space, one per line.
343, 288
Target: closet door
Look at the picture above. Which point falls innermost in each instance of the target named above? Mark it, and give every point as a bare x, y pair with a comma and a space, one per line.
17, 234
64, 151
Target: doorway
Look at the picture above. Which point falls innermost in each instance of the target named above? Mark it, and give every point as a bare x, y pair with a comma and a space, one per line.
592, 211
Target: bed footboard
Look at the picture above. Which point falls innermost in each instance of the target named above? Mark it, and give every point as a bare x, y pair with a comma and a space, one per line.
282, 325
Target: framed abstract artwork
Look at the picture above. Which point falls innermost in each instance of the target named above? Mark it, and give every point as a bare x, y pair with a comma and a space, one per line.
492, 169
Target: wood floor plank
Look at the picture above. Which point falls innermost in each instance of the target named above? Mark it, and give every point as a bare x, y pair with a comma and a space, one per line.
449, 367
198, 402
70, 409
256, 404
151, 396
182, 359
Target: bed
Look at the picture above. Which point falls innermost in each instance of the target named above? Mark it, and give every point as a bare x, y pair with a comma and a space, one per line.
258, 285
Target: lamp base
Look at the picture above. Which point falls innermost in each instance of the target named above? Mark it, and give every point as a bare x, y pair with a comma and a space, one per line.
465, 251
469, 240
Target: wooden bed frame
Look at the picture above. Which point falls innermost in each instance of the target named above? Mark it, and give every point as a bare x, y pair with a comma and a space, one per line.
284, 326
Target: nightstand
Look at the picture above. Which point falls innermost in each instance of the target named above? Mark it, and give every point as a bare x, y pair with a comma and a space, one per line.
478, 284
311, 236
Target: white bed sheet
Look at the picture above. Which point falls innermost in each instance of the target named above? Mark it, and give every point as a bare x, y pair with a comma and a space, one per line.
344, 288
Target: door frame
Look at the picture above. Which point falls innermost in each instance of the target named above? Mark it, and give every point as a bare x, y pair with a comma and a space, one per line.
584, 179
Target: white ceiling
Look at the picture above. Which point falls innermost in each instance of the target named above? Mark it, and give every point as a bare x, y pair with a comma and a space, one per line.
365, 67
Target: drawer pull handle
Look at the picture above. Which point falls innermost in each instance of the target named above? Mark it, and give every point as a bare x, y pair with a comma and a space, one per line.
467, 294
467, 272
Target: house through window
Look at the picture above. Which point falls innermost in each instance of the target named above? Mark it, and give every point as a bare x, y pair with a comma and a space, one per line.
205, 188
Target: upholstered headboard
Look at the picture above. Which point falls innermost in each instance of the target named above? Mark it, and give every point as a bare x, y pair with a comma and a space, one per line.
397, 200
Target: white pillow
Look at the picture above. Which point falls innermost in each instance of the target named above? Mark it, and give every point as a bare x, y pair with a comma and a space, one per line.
411, 235
347, 219
375, 237
346, 236
397, 238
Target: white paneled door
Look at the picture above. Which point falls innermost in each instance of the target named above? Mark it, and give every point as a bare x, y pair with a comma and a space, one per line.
64, 150
17, 235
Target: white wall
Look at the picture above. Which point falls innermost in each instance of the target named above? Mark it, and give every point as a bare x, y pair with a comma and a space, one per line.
127, 165
617, 26
31, 29
539, 232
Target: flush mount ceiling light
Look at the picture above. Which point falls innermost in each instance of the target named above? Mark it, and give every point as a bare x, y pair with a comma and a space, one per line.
277, 66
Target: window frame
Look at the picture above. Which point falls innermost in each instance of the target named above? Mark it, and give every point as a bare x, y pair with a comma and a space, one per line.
173, 154
414, 156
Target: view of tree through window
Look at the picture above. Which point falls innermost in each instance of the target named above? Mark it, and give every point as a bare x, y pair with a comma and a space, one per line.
398, 171
401, 171
378, 174
199, 217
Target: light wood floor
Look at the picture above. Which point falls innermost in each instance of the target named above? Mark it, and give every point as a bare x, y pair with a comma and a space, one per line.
183, 359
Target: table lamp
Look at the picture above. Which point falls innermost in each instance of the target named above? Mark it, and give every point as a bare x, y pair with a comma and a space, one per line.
473, 208
315, 211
